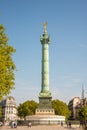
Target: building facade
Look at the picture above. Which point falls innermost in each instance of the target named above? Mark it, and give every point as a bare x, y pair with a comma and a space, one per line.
9, 109
73, 105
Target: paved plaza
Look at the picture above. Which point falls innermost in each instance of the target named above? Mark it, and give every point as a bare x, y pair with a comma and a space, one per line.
42, 127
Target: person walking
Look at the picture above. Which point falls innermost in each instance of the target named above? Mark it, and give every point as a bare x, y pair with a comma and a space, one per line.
29, 124
69, 124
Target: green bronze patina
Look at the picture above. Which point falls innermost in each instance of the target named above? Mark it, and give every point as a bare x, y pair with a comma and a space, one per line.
45, 95
45, 40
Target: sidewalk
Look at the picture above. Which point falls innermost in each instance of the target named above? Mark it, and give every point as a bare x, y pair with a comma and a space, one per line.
41, 127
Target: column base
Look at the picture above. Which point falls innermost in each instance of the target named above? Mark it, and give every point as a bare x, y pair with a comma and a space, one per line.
45, 106
40, 111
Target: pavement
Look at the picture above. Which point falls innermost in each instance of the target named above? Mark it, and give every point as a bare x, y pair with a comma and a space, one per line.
42, 127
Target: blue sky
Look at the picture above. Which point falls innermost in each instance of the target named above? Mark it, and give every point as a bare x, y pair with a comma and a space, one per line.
67, 27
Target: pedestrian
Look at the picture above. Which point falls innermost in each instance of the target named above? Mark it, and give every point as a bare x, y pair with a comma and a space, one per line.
1, 124
70, 124
67, 124
12, 124
29, 124
61, 123
15, 124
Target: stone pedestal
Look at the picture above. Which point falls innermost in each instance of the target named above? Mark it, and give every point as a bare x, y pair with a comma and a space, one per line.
45, 119
40, 111
45, 106
45, 102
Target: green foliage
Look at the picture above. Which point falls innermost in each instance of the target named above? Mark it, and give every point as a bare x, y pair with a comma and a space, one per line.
7, 65
61, 108
0, 112
82, 113
27, 108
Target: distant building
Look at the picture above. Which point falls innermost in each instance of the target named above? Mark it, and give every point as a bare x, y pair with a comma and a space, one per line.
77, 103
85, 102
9, 109
73, 105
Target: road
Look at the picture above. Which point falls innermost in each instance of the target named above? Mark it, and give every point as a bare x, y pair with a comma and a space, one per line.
42, 127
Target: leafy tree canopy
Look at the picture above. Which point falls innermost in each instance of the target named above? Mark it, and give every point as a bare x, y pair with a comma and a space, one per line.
0, 111
7, 65
82, 113
61, 108
27, 108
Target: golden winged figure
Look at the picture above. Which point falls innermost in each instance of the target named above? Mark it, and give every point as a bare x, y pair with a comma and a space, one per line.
45, 25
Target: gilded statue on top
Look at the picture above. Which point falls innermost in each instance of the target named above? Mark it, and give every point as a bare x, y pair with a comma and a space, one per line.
45, 25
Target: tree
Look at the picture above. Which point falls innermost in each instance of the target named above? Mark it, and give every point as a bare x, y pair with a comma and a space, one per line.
27, 108
61, 108
82, 114
7, 65
0, 111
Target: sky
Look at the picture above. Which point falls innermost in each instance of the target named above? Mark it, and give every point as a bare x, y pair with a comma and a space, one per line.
67, 28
